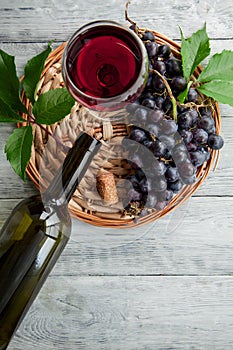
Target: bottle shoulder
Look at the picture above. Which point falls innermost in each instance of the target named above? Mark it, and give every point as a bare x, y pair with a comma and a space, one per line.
31, 216
36, 207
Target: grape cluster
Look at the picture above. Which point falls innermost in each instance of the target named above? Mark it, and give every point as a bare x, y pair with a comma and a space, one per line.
172, 151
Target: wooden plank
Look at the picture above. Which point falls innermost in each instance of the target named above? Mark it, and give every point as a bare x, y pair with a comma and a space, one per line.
196, 239
131, 313
29, 21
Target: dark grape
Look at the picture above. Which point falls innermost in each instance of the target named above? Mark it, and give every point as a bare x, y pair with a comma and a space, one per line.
197, 158
160, 67
167, 105
191, 147
189, 180
159, 184
149, 103
169, 141
164, 51
186, 169
173, 67
172, 174
158, 168
146, 94
215, 141
153, 129
156, 115
200, 136
168, 127
212, 130
165, 195
180, 147
192, 95
185, 120
186, 135
145, 185
138, 135
158, 148
206, 123
148, 35
206, 152
147, 143
159, 101
149, 82
175, 186
141, 114
178, 83
158, 84
180, 155
152, 48
194, 115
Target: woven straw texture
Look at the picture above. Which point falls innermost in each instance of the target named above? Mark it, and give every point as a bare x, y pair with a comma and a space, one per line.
48, 155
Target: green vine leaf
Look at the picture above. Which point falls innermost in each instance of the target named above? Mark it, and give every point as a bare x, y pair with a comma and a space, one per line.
7, 115
9, 83
220, 67
18, 149
52, 106
32, 73
221, 91
194, 50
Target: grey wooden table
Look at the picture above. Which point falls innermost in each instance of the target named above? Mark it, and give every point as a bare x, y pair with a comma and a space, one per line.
168, 285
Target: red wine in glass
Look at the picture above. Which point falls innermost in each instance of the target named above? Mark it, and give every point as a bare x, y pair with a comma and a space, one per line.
105, 65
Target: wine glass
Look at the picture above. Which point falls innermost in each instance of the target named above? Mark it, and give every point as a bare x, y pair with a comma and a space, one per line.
105, 65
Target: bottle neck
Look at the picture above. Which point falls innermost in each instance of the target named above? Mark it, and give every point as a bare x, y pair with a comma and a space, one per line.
73, 169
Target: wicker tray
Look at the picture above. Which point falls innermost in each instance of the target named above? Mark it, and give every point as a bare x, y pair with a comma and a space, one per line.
47, 154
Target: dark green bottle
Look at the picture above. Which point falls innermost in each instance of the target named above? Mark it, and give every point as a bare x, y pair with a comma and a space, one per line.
34, 236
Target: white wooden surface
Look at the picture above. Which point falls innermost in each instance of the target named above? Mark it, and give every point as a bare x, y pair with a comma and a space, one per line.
168, 285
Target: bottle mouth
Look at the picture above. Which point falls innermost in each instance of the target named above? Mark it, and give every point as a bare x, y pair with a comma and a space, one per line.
107, 74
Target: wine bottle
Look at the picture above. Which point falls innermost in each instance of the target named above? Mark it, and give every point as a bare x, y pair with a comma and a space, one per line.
34, 236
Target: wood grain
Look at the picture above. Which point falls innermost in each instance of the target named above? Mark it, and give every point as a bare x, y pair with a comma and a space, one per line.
196, 239
134, 313
32, 21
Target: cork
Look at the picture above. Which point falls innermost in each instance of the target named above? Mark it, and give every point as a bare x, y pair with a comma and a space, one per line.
106, 186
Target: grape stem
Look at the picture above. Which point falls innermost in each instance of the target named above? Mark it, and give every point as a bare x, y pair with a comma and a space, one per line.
127, 18
172, 98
